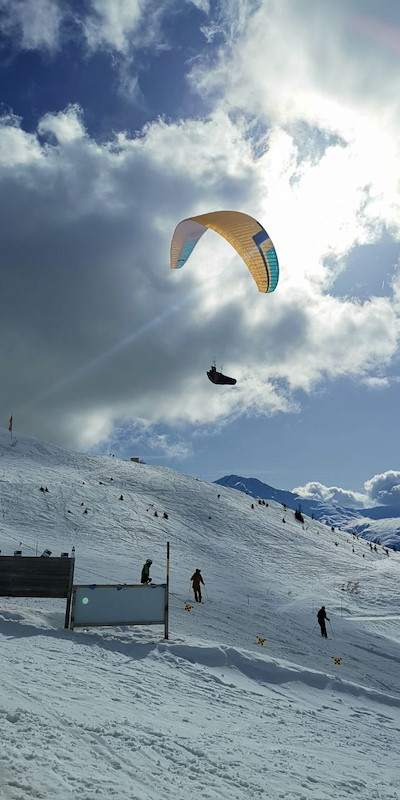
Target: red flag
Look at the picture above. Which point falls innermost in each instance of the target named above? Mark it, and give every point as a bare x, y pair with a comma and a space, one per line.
10, 424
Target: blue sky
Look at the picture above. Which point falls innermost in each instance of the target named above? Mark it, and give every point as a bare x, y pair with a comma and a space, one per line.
35, 80
118, 120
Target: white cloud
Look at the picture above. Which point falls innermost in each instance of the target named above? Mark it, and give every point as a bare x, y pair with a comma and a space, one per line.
384, 488
285, 62
103, 330
332, 495
380, 383
129, 87
228, 20
113, 23
66, 126
202, 5
137, 435
308, 145
275, 71
17, 146
95, 426
119, 26
36, 23
377, 30
122, 25
377, 383
163, 444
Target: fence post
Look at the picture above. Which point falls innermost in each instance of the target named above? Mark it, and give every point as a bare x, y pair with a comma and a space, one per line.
69, 595
166, 598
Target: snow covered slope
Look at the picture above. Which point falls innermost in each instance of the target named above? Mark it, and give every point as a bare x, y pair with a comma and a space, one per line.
377, 524
383, 530
119, 713
324, 512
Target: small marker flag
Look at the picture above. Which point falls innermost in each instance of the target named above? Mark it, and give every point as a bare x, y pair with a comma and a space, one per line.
10, 424
188, 607
337, 660
260, 640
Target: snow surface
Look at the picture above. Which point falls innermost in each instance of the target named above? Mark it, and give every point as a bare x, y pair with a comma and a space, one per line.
121, 713
385, 531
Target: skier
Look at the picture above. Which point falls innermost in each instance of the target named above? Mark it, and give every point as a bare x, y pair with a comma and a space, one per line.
145, 572
321, 617
197, 580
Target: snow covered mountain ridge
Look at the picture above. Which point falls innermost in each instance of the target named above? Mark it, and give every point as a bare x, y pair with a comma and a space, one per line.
379, 524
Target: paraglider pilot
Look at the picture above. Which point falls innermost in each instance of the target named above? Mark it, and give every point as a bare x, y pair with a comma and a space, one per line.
217, 377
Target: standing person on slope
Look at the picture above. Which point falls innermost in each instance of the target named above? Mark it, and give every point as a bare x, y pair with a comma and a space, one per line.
321, 617
145, 578
197, 580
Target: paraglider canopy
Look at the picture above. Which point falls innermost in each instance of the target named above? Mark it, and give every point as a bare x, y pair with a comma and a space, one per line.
218, 377
243, 232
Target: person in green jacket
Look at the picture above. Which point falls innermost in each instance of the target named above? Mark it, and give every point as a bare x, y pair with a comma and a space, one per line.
146, 572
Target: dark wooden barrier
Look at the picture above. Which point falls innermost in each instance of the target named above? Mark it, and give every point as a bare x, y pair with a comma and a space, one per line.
34, 576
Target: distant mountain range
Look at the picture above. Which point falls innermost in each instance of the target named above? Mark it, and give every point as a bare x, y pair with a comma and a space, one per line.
377, 524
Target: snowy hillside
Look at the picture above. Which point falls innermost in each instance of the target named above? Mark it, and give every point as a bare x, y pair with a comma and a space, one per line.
324, 512
378, 524
385, 531
119, 713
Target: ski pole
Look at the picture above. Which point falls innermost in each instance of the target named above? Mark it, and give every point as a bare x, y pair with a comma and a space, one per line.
205, 589
331, 628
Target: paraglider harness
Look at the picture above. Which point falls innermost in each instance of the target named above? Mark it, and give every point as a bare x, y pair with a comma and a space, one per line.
217, 377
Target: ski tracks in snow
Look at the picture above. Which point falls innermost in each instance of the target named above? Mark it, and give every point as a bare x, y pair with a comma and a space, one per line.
174, 720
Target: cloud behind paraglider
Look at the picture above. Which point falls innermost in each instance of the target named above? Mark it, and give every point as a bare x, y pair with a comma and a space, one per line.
91, 243
96, 331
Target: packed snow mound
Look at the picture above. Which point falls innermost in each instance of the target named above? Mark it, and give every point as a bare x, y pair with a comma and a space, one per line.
269, 671
100, 716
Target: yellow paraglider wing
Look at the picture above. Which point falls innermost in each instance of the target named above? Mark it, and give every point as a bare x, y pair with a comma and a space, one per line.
244, 233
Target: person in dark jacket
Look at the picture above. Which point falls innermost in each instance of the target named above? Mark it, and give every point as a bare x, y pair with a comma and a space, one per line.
321, 617
146, 572
197, 580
